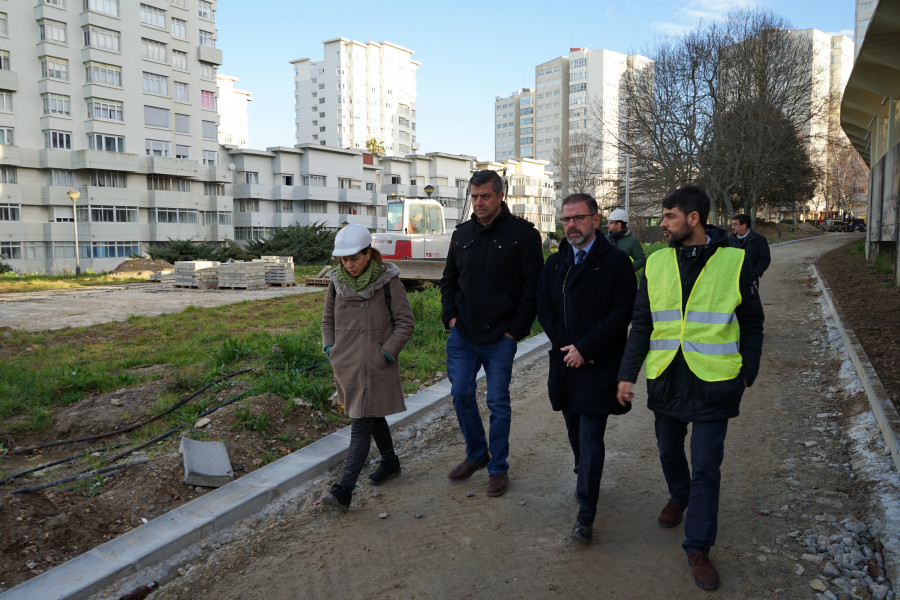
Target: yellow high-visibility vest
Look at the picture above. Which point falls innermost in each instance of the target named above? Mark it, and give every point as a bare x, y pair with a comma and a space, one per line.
707, 331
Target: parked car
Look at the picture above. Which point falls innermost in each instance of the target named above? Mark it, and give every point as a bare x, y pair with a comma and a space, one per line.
832, 225
855, 225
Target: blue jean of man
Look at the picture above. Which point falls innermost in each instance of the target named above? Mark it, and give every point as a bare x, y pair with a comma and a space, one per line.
464, 359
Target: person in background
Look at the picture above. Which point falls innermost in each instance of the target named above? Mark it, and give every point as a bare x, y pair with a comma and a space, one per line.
621, 238
365, 324
755, 245
698, 322
585, 298
489, 301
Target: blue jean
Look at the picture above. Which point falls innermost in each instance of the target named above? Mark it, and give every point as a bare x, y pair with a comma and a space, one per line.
464, 359
697, 485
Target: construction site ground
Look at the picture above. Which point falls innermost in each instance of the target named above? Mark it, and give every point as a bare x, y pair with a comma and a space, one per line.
790, 463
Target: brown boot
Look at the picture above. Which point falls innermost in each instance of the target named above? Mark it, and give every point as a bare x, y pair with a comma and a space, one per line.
671, 514
705, 574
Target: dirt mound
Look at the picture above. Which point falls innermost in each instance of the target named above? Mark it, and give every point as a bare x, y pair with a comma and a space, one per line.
788, 230
140, 266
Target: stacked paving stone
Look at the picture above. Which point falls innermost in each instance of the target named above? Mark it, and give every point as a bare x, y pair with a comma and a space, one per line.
167, 275
245, 275
196, 273
279, 270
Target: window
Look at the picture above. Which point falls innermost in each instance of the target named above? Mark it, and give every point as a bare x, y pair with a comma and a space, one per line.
114, 179
153, 17
102, 73
205, 11
179, 3
314, 180
207, 71
156, 84
60, 177
153, 50
287, 180
114, 249
10, 250
52, 31
100, 108
173, 215
7, 174
4, 24
213, 217
104, 39
182, 123
4, 60
180, 91
182, 151
58, 139
156, 117
107, 7
370, 187
6, 103
10, 212
59, 3
54, 68
180, 60
208, 100
251, 177
179, 28
212, 188
207, 38
157, 148
246, 205
284, 206
182, 184
107, 143
209, 130
159, 182
210, 158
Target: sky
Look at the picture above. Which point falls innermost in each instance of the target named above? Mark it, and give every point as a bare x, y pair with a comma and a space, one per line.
469, 51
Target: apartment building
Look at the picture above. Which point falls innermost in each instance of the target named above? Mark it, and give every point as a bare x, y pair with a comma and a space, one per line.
514, 125
117, 101
570, 119
234, 126
448, 174
530, 193
358, 91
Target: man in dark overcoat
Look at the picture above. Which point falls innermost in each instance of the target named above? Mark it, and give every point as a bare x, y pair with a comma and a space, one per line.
585, 298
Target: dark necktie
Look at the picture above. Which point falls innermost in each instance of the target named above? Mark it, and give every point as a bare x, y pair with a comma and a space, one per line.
579, 257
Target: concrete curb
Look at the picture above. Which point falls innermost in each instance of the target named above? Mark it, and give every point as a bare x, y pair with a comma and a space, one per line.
186, 525
885, 412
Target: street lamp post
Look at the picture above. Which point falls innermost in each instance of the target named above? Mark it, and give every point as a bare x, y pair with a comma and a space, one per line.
73, 195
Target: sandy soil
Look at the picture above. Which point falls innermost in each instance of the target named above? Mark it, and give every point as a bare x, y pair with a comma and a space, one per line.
422, 536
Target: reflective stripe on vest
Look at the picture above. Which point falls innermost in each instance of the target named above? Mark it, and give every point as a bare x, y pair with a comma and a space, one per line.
708, 332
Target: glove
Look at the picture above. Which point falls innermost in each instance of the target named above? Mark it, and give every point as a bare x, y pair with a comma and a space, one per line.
389, 358
327, 351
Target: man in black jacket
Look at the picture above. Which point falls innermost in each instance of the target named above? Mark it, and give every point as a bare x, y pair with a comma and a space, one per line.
488, 298
698, 322
755, 245
585, 298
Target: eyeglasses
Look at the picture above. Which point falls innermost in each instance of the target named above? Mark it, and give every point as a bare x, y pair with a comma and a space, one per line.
576, 218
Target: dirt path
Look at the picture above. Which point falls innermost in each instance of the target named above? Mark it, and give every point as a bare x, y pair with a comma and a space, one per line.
81, 307
788, 453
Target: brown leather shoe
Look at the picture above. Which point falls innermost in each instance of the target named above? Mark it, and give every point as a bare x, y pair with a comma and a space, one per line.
465, 469
498, 484
671, 514
705, 574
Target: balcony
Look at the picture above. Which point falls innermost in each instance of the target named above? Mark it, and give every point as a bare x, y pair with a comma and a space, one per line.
9, 80
99, 159
355, 196
396, 188
210, 55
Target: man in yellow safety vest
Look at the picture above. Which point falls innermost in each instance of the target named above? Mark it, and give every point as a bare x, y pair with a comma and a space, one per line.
698, 323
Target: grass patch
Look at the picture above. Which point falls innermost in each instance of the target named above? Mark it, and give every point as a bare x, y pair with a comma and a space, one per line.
13, 283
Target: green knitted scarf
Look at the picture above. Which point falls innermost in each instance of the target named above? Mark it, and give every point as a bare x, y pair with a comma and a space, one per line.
366, 279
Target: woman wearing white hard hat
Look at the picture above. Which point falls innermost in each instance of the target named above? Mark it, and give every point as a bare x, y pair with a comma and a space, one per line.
366, 322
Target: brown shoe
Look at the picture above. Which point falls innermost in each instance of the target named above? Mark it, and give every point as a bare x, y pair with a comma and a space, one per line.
465, 469
671, 514
705, 574
498, 484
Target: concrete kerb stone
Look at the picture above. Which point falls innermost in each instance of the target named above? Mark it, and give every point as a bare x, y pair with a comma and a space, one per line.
885, 412
165, 536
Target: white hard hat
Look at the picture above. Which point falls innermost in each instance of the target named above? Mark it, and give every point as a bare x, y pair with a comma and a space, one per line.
618, 215
351, 239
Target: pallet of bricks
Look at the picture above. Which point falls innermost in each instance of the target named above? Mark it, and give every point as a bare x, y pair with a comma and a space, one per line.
198, 274
164, 276
279, 270
242, 275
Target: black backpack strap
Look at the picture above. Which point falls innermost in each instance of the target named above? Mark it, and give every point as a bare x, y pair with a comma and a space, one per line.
387, 299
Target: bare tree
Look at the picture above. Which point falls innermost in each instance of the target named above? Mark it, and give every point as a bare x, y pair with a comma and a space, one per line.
847, 174
579, 165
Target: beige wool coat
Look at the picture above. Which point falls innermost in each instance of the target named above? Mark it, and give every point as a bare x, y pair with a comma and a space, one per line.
358, 326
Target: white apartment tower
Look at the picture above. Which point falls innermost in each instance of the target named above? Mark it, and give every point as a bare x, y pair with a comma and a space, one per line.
356, 92
575, 119
514, 125
233, 121
116, 100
